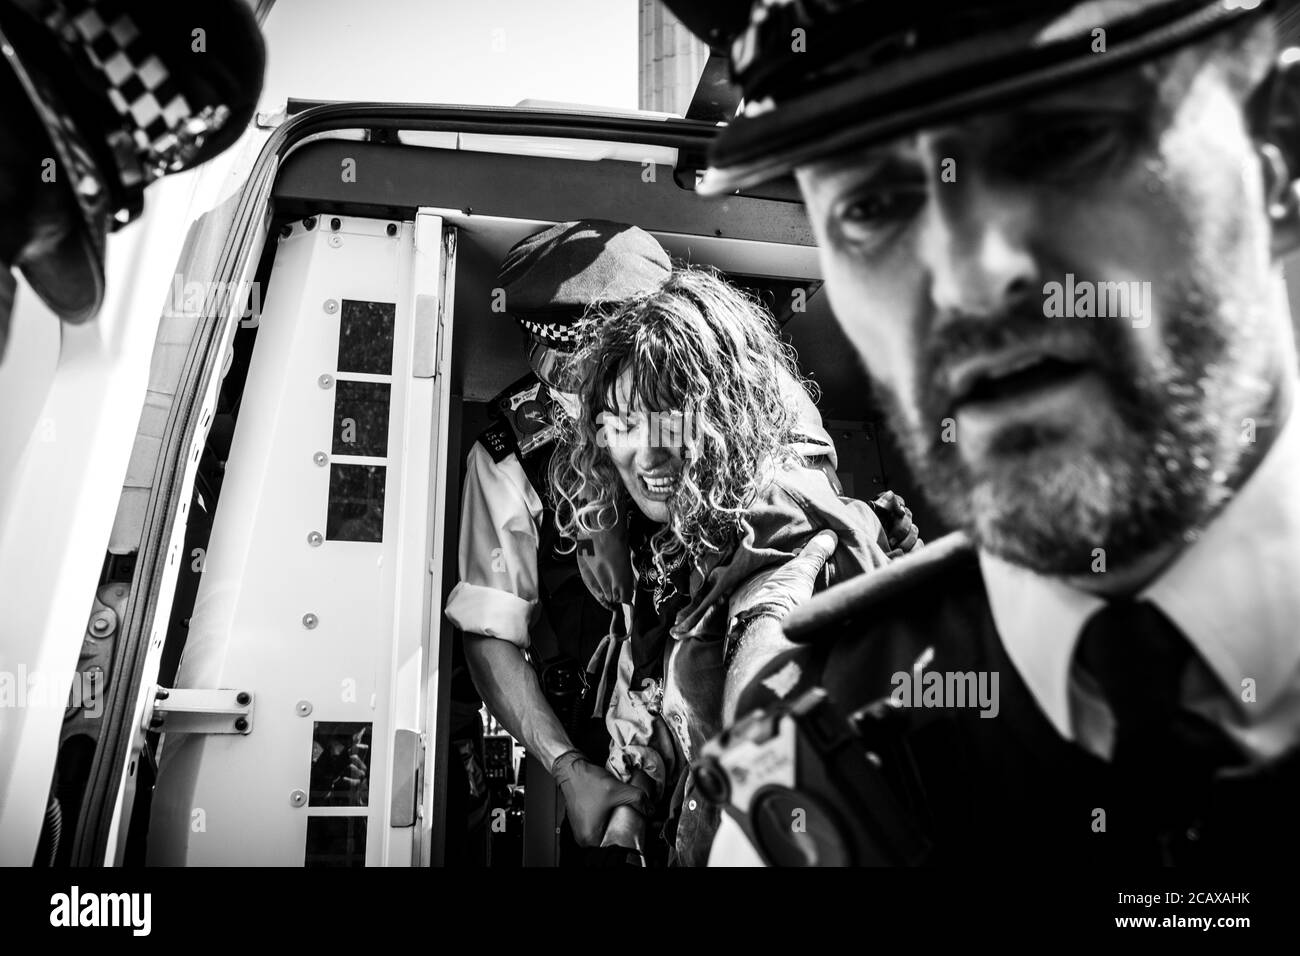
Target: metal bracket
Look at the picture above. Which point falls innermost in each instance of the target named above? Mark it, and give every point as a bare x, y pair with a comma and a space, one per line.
193, 710
272, 118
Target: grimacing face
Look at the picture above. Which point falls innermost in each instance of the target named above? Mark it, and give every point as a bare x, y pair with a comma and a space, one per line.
1043, 427
647, 448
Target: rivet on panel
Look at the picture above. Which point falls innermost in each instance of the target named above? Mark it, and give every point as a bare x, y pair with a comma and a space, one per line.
331, 306
321, 458
315, 539
325, 381
297, 798
303, 708
336, 241
309, 621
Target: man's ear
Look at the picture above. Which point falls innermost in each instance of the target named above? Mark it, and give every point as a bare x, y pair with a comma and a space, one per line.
1273, 113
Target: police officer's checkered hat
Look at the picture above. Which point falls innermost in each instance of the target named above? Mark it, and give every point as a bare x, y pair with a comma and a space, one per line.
821, 76
555, 277
126, 91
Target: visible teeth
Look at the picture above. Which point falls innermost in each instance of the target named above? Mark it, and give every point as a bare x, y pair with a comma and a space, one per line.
659, 485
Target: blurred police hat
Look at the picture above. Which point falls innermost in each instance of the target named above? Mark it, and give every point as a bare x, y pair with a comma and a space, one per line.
819, 76
127, 91
552, 278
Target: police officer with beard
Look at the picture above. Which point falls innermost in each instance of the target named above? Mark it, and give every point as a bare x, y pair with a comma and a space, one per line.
1122, 464
99, 98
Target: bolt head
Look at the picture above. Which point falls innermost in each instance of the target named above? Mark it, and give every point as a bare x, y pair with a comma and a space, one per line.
241, 724
303, 708
309, 621
321, 458
315, 539
243, 697
331, 306
297, 798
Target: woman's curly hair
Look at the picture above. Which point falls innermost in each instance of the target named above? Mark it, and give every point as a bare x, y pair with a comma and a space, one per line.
697, 346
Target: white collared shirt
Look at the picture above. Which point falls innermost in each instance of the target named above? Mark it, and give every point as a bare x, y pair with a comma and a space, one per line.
1234, 592
499, 530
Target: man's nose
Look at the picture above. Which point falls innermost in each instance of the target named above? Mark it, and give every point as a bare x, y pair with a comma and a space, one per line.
978, 243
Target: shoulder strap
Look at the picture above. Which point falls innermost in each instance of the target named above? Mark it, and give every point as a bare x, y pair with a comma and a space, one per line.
499, 441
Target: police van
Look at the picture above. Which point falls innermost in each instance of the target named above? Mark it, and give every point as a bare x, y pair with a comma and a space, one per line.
229, 508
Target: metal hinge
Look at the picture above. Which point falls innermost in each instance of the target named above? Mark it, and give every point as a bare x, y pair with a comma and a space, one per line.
193, 710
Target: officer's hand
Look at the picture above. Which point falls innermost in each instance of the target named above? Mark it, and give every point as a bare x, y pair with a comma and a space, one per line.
779, 592
591, 794
896, 518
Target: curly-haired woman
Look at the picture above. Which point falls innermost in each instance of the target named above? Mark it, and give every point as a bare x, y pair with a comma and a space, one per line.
689, 430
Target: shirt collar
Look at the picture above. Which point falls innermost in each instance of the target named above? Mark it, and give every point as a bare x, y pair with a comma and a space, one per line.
1234, 592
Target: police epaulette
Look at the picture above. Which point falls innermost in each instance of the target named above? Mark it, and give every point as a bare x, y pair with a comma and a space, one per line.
499, 441
855, 597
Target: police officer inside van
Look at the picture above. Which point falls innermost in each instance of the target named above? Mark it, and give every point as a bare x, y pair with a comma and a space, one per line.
97, 100
535, 608
530, 623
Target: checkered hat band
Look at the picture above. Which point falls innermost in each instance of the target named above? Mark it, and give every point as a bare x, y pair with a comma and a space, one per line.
565, 334
140, 86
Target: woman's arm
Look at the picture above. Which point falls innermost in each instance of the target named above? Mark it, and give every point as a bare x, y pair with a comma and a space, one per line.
760, 607
755, 643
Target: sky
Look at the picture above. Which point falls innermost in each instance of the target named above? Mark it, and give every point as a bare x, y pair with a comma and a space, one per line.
487, 52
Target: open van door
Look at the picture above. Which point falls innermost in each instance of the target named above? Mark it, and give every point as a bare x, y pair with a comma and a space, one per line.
316, 610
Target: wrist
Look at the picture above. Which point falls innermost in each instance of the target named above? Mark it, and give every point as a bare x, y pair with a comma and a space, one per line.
565, 761
626, 828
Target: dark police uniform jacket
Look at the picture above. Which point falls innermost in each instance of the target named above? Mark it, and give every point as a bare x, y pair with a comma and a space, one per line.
1010, 788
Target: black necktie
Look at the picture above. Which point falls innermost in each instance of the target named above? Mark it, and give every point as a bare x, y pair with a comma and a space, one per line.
1164, 755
